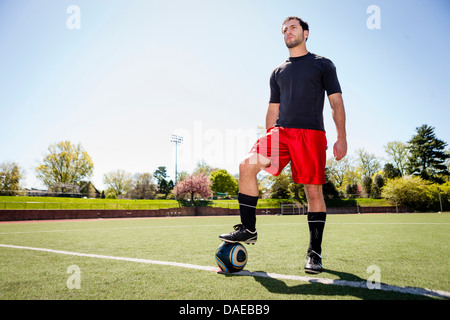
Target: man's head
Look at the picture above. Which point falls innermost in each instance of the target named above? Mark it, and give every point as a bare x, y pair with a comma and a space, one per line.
295, 31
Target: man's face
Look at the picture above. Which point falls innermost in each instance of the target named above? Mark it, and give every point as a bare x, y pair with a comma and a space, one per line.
293, 33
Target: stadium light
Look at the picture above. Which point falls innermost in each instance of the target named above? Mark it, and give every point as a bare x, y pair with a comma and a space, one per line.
178, 140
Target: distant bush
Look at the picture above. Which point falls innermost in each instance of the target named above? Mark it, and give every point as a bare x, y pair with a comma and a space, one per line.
351, 191
417, 194
378, 183
194, 203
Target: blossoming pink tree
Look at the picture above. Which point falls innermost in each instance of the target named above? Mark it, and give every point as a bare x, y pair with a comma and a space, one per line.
193, 186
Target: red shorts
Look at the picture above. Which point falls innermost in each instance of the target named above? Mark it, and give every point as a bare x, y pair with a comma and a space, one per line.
304, 148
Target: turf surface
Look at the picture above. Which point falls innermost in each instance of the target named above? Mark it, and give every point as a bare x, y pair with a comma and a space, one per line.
409, 250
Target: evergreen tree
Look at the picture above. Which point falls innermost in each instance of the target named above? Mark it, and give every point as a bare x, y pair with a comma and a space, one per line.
160, 174
165, 187
377, 185
351, 190
366, 183
427, 155
391, 172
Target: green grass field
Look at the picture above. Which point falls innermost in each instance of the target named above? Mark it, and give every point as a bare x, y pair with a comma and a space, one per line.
410, 250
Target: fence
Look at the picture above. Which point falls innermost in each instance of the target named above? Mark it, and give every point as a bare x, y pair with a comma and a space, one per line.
293, 208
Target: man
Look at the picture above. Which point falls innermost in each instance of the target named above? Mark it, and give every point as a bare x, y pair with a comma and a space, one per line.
296, 134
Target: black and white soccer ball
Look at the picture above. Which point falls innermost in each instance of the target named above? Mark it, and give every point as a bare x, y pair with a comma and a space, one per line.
231, 257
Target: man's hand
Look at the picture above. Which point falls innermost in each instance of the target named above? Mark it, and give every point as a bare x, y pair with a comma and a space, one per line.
340, 149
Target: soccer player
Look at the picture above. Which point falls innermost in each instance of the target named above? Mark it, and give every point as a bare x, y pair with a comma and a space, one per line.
296, 134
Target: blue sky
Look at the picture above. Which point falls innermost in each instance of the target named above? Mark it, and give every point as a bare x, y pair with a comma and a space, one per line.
138, 71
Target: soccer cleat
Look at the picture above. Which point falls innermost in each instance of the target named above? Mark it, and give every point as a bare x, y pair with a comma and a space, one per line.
313, 262
240, 234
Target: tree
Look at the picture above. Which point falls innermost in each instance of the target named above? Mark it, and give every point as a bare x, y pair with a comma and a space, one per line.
10, 175
297, 189
447, 163
263, 180
192, 186
337, 171
118, 182
160, 174
378, 183
330, 191
203, 168
143, 187
181, 175
222, 181
427, 155
351, 190
398, 153
65, 163
390, 172
366, 183
165, 187
368, 163
281, 186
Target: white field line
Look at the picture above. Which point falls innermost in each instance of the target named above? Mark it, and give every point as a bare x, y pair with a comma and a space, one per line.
90, 255
219, 225
355, 284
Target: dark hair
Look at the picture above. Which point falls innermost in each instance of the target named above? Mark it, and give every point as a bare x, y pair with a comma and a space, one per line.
303, 24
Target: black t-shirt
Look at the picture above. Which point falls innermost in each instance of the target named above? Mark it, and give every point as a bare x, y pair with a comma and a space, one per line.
298, 85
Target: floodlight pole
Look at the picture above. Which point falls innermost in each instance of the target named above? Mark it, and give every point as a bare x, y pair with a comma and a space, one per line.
178, 140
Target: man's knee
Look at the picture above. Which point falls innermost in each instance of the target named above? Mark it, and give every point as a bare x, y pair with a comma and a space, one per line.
314, 192
316, 202
252, 164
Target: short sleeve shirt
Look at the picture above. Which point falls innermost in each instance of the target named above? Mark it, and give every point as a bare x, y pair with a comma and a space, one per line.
299, 86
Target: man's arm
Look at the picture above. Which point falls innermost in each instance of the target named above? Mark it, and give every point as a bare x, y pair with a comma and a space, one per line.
272, 114
338, 113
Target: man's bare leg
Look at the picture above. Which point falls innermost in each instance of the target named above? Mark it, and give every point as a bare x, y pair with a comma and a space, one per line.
248, 170
248, 198
316, 222
314, 195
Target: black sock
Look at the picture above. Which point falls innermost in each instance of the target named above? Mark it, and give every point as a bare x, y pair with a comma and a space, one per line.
247, 206
316, 222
